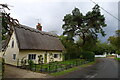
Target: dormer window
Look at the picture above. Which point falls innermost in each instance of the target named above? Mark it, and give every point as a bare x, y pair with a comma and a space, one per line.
12, 44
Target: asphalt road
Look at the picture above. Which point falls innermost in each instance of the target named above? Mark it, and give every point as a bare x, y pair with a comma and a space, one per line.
104, 68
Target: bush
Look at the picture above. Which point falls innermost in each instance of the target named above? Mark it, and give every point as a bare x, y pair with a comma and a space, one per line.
31, 64
87, 55
118, 52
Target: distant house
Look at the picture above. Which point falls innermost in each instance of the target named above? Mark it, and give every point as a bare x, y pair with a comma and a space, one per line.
29, 43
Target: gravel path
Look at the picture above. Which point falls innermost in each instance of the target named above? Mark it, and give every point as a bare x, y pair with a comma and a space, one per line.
14, 72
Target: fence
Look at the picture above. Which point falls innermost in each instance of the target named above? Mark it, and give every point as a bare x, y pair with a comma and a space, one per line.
100, 55
54, 66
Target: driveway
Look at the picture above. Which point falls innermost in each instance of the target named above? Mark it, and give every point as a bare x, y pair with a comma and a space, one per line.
14, 72
104, 68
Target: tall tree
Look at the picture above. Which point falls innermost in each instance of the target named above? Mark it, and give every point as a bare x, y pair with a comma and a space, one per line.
85, 26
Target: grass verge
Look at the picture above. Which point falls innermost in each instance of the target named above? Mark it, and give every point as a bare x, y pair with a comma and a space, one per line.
117, 59
71, 69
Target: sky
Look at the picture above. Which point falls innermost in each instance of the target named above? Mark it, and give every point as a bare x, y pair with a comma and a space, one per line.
50, 13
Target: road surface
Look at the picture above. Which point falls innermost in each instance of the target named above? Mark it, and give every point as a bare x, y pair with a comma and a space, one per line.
104, 68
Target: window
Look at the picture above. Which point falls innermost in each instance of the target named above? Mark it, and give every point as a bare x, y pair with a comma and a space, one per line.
32, 56
12, 44
55, 55
14, 56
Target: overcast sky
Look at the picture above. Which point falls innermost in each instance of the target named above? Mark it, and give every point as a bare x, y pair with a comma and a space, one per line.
51, 13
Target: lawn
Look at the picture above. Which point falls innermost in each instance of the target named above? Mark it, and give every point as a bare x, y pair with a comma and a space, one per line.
71, 69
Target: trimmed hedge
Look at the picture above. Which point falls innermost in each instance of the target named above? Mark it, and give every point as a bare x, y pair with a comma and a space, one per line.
87, 55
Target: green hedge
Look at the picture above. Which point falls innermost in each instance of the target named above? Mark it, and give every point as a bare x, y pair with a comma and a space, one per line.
88, 55
118, 52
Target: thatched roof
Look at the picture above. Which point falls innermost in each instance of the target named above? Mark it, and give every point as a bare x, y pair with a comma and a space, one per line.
33, 39
5, 43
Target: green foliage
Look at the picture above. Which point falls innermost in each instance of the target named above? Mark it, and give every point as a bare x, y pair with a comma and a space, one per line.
88, 55
71, 69
72, 50
4, 27
85, 26
7, 22
117, 59
118, 52
115, 40
30, 63
23, 62
51, 57
40, 59
101, 48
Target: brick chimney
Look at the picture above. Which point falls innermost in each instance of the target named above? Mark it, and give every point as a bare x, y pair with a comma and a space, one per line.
39, 27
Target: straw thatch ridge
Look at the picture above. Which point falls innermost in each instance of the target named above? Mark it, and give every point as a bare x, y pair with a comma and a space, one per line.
33, 39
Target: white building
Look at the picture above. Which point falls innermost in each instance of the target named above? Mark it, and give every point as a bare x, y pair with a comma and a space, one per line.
29, 43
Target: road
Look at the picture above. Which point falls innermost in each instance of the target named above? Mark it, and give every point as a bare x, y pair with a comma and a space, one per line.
104, 68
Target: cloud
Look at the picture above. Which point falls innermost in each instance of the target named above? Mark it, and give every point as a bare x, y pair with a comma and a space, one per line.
52, 12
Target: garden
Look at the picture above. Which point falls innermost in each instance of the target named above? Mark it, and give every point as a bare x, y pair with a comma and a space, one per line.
53, 67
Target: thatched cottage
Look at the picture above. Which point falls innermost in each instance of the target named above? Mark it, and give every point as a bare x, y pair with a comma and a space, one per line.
29, 43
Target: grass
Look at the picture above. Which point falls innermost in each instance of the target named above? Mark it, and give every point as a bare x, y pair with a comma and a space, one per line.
63, 72
71, 69
117, 59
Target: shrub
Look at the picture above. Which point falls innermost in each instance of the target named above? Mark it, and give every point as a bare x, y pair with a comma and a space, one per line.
88, 55
118, 52
31, 63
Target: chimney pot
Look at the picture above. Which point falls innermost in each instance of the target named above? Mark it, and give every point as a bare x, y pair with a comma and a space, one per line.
39, 27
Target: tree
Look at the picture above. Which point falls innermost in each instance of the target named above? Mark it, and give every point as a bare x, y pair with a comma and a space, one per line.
7, 25
7, 22
101, 48
115, 40
86, 27
72, 50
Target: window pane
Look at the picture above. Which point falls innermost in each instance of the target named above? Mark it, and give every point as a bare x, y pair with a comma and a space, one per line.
29, 56
14, 56
32, 56
55, 55
12, 44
